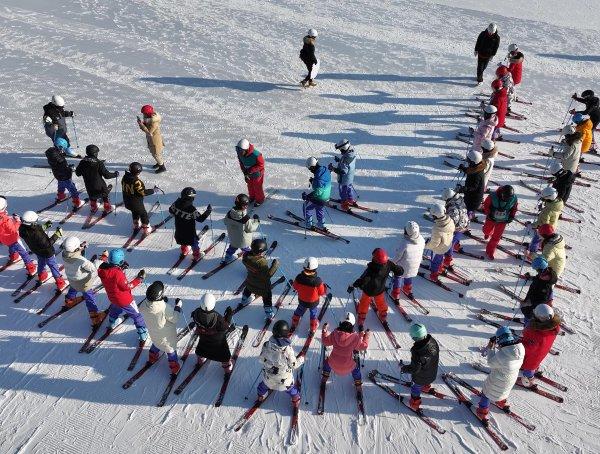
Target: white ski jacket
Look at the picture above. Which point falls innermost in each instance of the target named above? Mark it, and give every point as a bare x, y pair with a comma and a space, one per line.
410, 254
279, 361
504, 363
161, 321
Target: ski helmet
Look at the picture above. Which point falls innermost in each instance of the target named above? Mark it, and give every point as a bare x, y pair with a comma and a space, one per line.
58, 101
29, 217
311, 162
549, 193
543, 312
492, 28
312, 33
507, 192
3, 203
243, 145
92, 151
380, 256
155, 291
418, 331
188, 193
497, 85
437, 210
281, 329
71, 244
577, 118
555, 167
490, 109
513, 48
504, 335
135, 168
349, 318
342, 145
412, 230
242, 201
147, 110
474, 156
448, 193
568, 130
539, 263
116, 256
258, 246
208, 301
545, 230
587, 93
61, 143
311, 263
501, 71
488, 144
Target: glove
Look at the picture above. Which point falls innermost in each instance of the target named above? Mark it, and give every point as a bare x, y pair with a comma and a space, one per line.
104, 256
255, 217
459, 188
117, 174
336, 159
246, 178
59, 232
208, 209
572, 111
228, 312
462, 167
510, 219
310, 180
303, 196
405, 368
47, 225
330, 167
527, 275
16, 217
574, 96
71, 113
350, 289
178, 304
475, 53
275, 262
157, 188
141, 274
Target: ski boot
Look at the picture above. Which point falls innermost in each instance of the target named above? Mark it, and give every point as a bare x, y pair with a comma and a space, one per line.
415, 403
407, 289
227, 259
269, 312
31, 268
185, 250
309, 223
526, 382
296, 401
321, 226
312, 83
155, 166
153, 356
197, 254
382, 315
160, 169
304, 83
227, 367
97, 318
142, 333
448, 262
93, 206
14, 257
314, 324
502, 404
107, 207
434, 276
72, 302
137, 225
294, 324
483, 413
147, 229
61, 196
174, 366
114, 322
42, 276
325, 376
396, 293
60, 284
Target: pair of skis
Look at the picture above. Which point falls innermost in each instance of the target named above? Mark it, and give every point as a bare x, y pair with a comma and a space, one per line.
357, 206
350, 212
301, 223
241, 306
130, 247
64, 309
195, 262
181, 257
384, 323
526, 277
278, 304
34, 287
73, 211
440, 284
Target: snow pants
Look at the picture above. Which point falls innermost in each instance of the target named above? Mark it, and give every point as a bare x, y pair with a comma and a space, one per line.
49, 262
406, 281
292, 391
436, 263
458, 236
88, 296
494, 230
355, 372
535, 242
481, 65
17, 248
415, 390
132, 310
311, 207
67, 185
140, 214
364, 303
267, 297
255, 189
347, 193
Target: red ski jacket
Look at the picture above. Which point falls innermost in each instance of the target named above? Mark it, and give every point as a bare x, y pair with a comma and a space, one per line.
500, 100
9, 229
118, 289
538, 338
310, 288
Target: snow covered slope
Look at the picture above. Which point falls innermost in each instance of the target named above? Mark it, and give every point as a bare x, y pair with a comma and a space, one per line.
396, 77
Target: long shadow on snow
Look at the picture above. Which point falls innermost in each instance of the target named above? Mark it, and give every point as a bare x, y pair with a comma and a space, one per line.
399, 78
592, 58
388, 117
202, 82
378, 97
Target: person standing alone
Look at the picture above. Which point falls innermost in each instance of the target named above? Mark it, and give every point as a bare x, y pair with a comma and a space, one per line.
486, 48
150, 125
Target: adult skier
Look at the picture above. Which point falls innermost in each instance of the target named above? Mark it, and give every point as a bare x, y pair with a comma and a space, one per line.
505, 356
485, 127
186, 215
252, 164
134, 192
550, 208
441, 239
240, 227
93, 171
515, 63
457, 211
540, 289
500, 209
310, 288
42, 246
9, 236
63, 173
278, 363
54, 119
315, 201
345, 169
118, 290
538, 337
586, 128
570, 152
372, 283
212, 329
489, 152
499, 99
307, 55
423, 367
553, 248
344, 342
83, 277
161, 321
474, 185
592, 108
258, 275
150, 125
486, 48
408, 256
563, 180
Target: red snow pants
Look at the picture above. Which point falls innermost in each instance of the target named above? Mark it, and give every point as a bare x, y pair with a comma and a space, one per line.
255, 189
494, 230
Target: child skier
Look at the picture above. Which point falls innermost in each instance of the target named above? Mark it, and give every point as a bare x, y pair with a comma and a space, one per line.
457, 211
441, 240
186, 215
563, 180
9, 236
550, 208
240, 227
94, 172
42, 246
252, 164
553, 248
474, 185
150, 125
345, 343
372, 283
586, 128
118, 290
315, 201
540, 289
310, 289
499, 99
504, 357
486, 48
408, 256
279, 362
570, 153
161, 321
134, 192
500, 209
63, 172
54, 119
259, 274
504, 75
83, 277
485, 127
345, 170
592, 108
423, 367
515, 60
307, 55
212, 329
489, 152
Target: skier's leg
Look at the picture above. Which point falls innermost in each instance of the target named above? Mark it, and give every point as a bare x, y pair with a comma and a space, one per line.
173, 362
114, 312
153, 353
268, 303
262, 389
363, 308
298, 314
483, 408
314, 320
382, 307
16, 249
60, 191
41, 268
495, 239
259, 193
320, 212
294, 394
308, 209
138, 320
396, 287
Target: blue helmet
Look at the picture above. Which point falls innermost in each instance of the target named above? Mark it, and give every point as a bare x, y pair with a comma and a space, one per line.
116, 256
61, 143
539, 263
504, 335
577, 118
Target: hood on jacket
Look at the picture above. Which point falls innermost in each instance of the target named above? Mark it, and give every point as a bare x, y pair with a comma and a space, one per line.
236, 214
70, 255
280, 343
475, 168
155, 307
443, 222
554, 240
342, 338
309, 40
545, 325
155, 118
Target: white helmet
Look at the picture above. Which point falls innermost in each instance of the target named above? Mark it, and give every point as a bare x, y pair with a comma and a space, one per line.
555, 167
342, 145
208, 301
311, 162
29, 217
543, 312
492, 28
488, 144
490, 108
243, 144
448, 193
513, 48
437, 210
311, 263
58, 101
549, 193
3, 203
474, 156
71, 244
568, 129
412, 229
350, 318
313, 33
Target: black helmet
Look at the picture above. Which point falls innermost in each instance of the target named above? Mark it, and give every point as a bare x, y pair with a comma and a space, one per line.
92, 151
258, 246
281, 329
156, 291
587, 93
135, 168
507, 192
242, 200
188, 192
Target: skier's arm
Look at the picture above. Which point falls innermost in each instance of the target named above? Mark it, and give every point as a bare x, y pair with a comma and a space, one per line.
364, 340
171, 314
105, 173
78, 170
496, 44
396, 269
478, 42
513, 212
274, 267
202, 217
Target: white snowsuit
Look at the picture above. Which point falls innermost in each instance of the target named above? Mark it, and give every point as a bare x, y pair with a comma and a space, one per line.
489, 157
279, 362
410, 254
485, 130
161, 321
504, 363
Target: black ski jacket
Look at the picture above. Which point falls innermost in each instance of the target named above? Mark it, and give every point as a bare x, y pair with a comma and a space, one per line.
134, 192
563, 184
424, 360
487, 45
212, 328
36, 239
93, 172
186, 215
540, 291
307, 54
58, 164
372, 281
474, 187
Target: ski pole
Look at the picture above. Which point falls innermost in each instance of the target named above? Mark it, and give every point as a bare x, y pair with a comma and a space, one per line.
253, 384
304, 209
49, 183
568, 113
159, 191
75, 130
212, 232
116, 194
328, 215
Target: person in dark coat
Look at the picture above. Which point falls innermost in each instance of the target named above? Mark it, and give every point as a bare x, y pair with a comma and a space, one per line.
134, 192
540, 289
563, 180
423, 367
93, 171
54, 119
474, 185
259, 274
212, 329
592, 106
486, 48
63, 172
307, 55
186, 215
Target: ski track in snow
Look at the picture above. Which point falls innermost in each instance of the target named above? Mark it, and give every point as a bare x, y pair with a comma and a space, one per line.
217, 71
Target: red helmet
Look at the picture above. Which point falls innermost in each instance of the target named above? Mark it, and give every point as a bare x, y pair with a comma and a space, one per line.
380, 256
497, 84
545, 230
148, 110
501, 71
